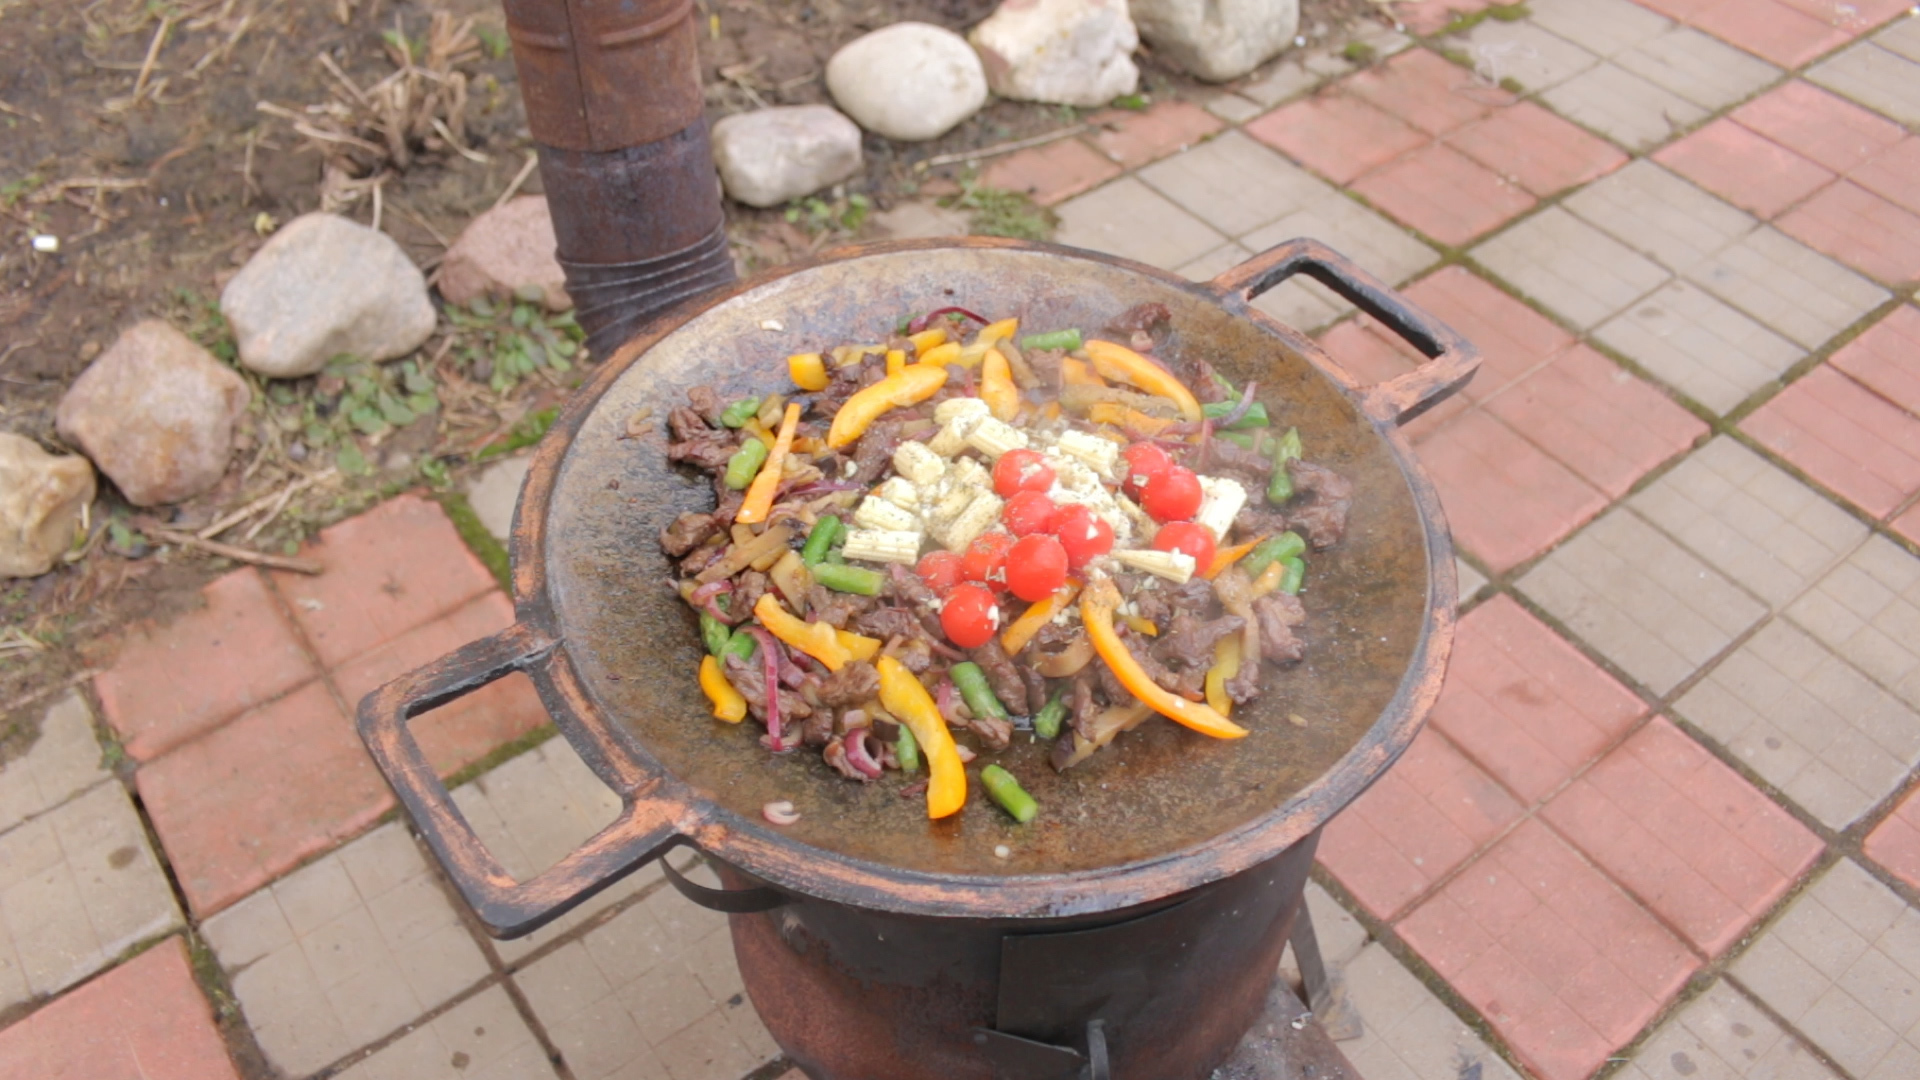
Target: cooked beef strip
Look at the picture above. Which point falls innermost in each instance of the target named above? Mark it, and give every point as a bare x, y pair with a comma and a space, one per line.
992, 733
747, 589
817, 730
701, 558
1277, 641
913, 653
1195, 598
688, 531
1257, 519
705, 400
873, 454
853, 684
749, 677
703, 446
1036, 686
1321, 500
1199, 379
836, 609
684, 423
1237, 461
1152, 319
1287, 608
1003, 678
1084, 707
887, 622
1167, 678
1111, 687
727, 502
1188, 643
906, 585
1046, 366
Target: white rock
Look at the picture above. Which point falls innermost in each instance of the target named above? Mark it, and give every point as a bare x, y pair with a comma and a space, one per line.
155, 412
1217, 40
771, 155
41, 499
504, 252
910, 81
321, 287
1065, 52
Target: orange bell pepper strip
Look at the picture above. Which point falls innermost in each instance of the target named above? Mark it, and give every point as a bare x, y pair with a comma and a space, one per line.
1269, 579
1021, 630
927, 339
1141, 626
808, 371
941, 355
1078, 373
1098, 602
858, 646
896, 361
913, 385
1226, 664
1226, 557
760, 495
1124, 365
816, 639
1127, 418
990, 335
996, 387
909, 702
728, 705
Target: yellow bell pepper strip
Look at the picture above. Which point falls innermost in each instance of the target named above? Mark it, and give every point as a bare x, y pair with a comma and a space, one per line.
912, 386
941, 355
1050, 411
996, 387
760, 495
927, 339
1098, 602
1127, 418
1021, 630
1227, 556
728, 705
896, 361
846, 355
858, 646
816, 639
1270, 578
1078, 373
808, 371
1124, 365
903, 696
1141, 626
1226, 664
989, 336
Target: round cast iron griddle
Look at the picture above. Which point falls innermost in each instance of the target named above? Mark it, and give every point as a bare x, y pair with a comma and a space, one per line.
614, 651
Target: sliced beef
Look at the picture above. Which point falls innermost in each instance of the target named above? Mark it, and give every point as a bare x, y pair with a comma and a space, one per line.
1286, 607
853, 684
701, 558
1250, 468
1111, 687
836, 609
1083, 706
873, 454
1199, 379
844, 384
697, 444
1256, 519
1151, 319
688, 531
705, 400
1188, 643
887, 622
749, 677
913, 653
905, 585
747, 590
726, 501
1166, 677
1036, 686
1046, 365
1194, 599
1277, 641
992, 734
684, 424
1321, 500
817, 730
1003, 678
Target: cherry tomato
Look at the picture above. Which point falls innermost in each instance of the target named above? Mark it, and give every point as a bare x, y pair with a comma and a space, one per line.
1174, 495
1021, 470
1144, 462
1188, 537
1084, 536
1036, 566
986, 559
970, 616
940, 570
1028, 512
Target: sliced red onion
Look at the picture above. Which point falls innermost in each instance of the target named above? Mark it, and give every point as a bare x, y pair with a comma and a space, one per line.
922, 322
823, 487
1240, 410
706, 598
860, 756
770, 669
966, 755
780, 812
949, 703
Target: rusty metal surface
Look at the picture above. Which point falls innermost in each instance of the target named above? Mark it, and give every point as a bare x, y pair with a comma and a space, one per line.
603, 75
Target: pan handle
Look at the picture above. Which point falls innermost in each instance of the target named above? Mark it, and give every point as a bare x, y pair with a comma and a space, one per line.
1452, 359
507, 907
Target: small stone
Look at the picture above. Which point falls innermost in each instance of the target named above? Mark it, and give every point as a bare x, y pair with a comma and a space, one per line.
505, 253
769, 156
321, 287
156, 414
1217, 40
910, 81
1063, 52
42, 498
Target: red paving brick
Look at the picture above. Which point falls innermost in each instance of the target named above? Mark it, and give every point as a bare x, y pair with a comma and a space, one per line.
1895, 843
1821, 127
1908, 524
1748, 170
1052, 173
1597, 419
387, 571
1135, 138
143, 1020
1696, 843
1426, 91
251, 800
1860, 229
1565, 966
1853, 16
1525, 704
1513, 338
1506, 500
1886, 359
1336, 135
1894, 174
1844, 436
1427, 815
173, 682
1445, 194
1537, 149
1427, 16
1373, 354
1771, 30
1678, 9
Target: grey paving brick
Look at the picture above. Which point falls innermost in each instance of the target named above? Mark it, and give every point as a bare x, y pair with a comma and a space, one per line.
1882, 80
1808, 722
494, 492
61, 763
1901, 37
1750, 520
1868, 610
1624, 107
1843, 966
1570, 266
1288, 80
1130, 219
1523, 52
1215, 262
78, 885
344, 951
1642, 600
1700, 346
1409, 1033
1660, 214
482, 1038
1234, 184
1373, 242
1788, 286
1723, 1035
1603, 27
1341, 935
1701, 69
1471, 580
1233, 108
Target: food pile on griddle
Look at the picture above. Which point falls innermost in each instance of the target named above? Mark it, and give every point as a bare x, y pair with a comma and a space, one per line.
954, 531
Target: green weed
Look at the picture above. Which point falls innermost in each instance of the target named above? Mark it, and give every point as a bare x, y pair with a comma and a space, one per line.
503, 344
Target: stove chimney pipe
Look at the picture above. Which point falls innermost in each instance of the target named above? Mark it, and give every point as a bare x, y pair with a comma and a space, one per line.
614, 102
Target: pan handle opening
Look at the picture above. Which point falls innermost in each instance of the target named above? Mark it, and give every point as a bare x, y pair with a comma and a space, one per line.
507, 907
1452, 359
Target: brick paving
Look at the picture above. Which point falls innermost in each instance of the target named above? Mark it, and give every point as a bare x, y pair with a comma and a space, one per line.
1664, 823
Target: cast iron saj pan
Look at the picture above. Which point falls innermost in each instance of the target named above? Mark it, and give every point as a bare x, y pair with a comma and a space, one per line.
1153, 893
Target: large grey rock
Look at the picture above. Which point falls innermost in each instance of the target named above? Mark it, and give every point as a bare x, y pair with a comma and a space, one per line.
324, 286
504, 252
910, 81
1217, 40
768, 156
1065, 52
42, 497
155, 412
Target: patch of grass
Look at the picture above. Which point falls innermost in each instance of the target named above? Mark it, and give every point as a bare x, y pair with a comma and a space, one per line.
1359, 52
466, 521
13, 191
531, 428
1133, 102
206, 971
994, 212
1513, 86
353, 398
817, 215
1463, 22
199, 318
505, 343
500, 755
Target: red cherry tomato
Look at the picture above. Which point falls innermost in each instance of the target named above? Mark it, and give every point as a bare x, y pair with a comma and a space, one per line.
941, 570
969, 616
1084, 536
1188, 537
1036, 566
1144, 462
986, 559
1173, 495
1021, 470
1028, 512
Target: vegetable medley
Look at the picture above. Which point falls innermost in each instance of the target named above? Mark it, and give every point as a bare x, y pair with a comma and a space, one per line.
964, 530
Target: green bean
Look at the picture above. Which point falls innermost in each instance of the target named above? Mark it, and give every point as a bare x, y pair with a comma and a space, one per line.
1006, 791
1068, 340
1241, 439
715, 633
738, 413
820, 538
972, 684
1280, 487
906, 751
745, 464
1046, 722
1296, 575
1272, 550
849, 579
1256, 415
741, 644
